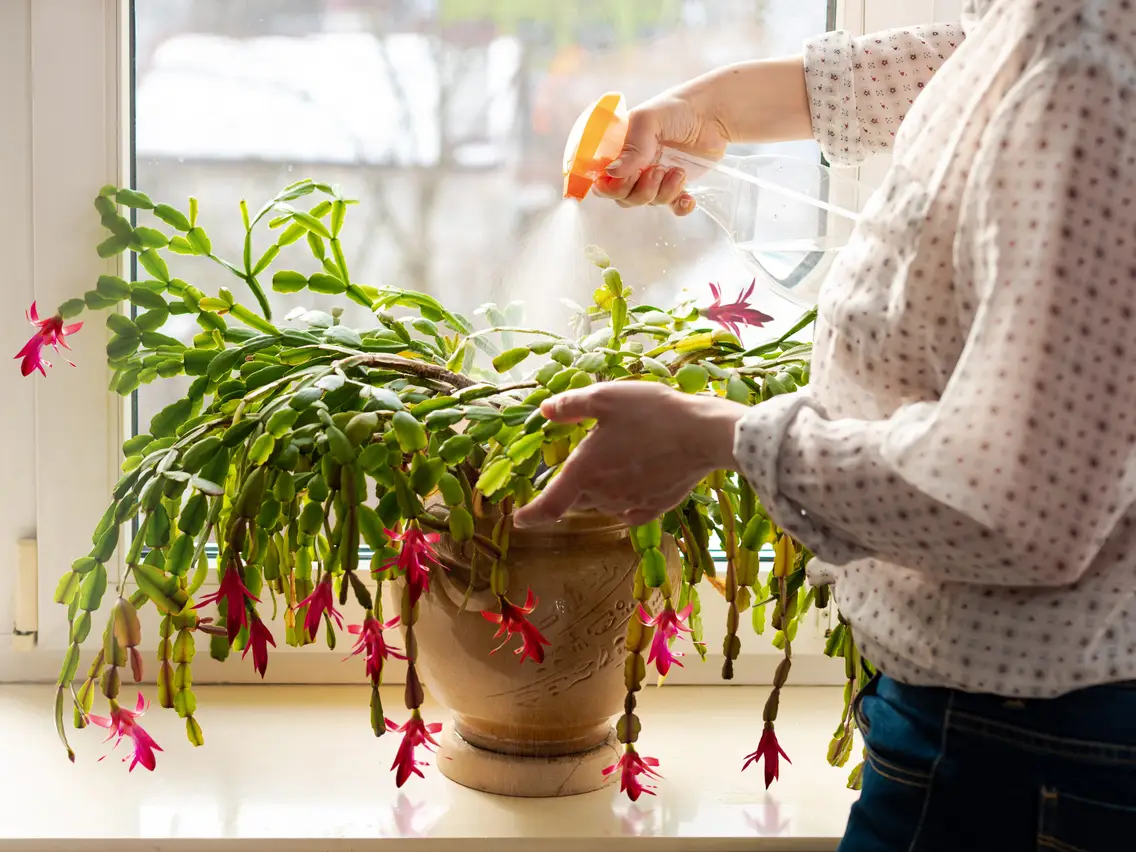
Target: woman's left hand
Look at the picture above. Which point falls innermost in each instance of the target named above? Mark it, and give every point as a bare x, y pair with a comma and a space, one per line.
651, 445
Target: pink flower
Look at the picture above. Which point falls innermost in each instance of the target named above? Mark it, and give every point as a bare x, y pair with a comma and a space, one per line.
512, 620
631, 766
735, 314
415, 733
771, 751
122, 724
371, 640
49, 332
237, 597
259, 639
414, 559
668, 624
318, 602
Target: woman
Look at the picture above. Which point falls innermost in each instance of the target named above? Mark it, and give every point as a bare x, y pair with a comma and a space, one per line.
963, 463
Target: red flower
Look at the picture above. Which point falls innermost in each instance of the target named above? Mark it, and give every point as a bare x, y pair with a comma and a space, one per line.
49, 332
259, 640
236, 596
414, 559
122, 724
318, 602
668, 624
512, 619
371, 640
415, 733
631, 766
771, 751
735, 314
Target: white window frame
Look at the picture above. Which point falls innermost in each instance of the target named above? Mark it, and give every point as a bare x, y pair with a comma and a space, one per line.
65, 64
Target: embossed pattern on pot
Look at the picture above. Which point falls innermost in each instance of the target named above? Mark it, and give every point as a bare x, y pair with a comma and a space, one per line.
581, 572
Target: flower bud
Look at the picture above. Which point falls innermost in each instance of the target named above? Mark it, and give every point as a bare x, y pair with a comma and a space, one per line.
127, 627
136, 667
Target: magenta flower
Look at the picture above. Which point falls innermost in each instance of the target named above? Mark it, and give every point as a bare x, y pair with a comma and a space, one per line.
513, 619
668, 624
318, 602
49, 332
237, 597
415, 733
259, 639
123, 724
414, 559
735, 314
631, 766
371, 641
768, 748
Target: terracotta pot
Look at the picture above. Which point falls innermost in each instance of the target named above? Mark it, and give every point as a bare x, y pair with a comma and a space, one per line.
506, 713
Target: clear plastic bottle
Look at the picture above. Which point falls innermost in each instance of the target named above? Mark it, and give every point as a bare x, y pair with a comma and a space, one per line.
788, 217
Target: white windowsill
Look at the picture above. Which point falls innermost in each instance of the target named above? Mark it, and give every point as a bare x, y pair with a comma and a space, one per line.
297, 768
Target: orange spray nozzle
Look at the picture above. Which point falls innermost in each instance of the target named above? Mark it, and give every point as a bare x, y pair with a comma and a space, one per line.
596, 139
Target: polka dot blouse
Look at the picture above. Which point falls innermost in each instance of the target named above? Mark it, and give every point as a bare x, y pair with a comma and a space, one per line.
963, 464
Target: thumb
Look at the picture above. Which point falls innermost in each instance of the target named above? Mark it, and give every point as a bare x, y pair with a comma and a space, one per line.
640, 146
571, 406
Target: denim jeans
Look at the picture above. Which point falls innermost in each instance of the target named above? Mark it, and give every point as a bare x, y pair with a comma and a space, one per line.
949, 771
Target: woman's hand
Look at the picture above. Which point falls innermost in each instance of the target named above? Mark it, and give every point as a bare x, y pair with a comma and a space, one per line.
678, 119
759, 101
651, 445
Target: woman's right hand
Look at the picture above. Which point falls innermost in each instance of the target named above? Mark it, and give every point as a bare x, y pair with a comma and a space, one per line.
760, 101
674, 119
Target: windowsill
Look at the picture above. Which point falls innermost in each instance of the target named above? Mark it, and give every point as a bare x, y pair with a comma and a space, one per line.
319, 779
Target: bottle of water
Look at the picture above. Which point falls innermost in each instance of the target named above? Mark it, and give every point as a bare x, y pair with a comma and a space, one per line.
787, 217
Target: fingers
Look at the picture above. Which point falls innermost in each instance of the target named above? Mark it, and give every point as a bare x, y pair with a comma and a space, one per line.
638, 517
640, 146
552, 503
614, 188
683, 205
573, 406
656, 185
670, 187
646, 189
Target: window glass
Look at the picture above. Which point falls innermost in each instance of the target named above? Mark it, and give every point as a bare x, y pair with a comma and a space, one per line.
447, 120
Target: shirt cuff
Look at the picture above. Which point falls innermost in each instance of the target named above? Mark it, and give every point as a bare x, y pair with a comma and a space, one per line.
764, 452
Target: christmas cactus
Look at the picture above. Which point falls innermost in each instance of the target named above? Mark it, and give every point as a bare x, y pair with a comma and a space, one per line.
303, 445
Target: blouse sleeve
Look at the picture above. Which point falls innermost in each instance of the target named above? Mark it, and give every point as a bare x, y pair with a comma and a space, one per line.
1024, 470
861, 87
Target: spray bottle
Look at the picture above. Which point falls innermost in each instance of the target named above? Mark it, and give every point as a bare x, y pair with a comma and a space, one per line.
788, 217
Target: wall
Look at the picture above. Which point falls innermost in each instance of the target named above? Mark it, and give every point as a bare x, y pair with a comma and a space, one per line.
17, 495
947, 10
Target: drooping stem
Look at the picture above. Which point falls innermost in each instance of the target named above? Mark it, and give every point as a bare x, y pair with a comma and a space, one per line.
781, 676
498, 571
731, 645
635, 667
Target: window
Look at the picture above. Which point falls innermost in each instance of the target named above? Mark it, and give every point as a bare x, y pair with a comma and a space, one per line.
432, 114
446, 119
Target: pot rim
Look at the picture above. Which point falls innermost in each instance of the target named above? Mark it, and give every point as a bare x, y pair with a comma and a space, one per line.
597, 526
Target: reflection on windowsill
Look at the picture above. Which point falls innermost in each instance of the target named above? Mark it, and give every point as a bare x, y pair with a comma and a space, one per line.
290, 763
